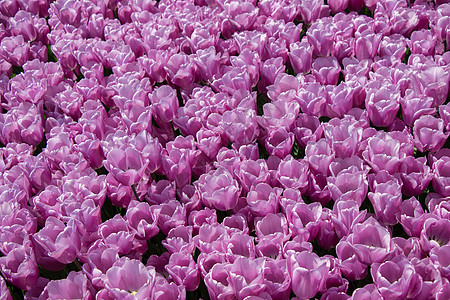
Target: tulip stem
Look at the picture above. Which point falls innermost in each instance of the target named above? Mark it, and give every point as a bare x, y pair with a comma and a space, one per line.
134, 192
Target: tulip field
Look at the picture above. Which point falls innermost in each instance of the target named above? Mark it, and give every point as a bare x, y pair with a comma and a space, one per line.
225, 149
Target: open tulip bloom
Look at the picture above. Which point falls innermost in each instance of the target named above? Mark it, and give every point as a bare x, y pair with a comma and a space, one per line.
224, 149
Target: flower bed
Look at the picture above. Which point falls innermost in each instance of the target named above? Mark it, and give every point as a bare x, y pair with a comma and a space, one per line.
224, 149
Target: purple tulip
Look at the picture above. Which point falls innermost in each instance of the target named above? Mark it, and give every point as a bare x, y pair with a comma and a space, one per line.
15, 50
411, 216
369, 291
126, 165
319, 156
307, 128
300, 56
58, 243
326, 70
184, 270
348, 185
383, 153
293, 173
142, 219
279, 142
382, 105
179, 240
308, 273
263, 199
429, 133
218, 189
434, 233
304, 219
171, 215
370, 241
396, 278
440, 165
246, 277
240, 126
130, 280
276, 279
4, 291
218, 283
312, 98
75, 286
115, 234
349, 263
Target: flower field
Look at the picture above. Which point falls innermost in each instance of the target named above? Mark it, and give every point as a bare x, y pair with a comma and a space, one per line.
225, 149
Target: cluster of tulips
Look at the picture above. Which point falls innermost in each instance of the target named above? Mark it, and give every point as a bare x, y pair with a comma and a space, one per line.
224, 149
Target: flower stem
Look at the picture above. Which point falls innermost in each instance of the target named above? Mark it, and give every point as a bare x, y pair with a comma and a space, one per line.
134, 192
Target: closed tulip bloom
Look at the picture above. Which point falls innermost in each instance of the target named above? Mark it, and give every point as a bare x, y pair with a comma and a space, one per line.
263, 199
293, 173
240, 126
348, 186
218, 189
414, 106
396, 278
170, 215
184, 270
300, 56
429, 133
319, 156
307, 128
273, 227
412, 217
246, 277
276, 278
165, 103
308, 273
126, 165
383, 153
304, 219
251, 172
218, 283
279, 142
366, 44
415, 175
382, 105
180, 70
349, 263
115, 234
326, 70
310, 10
386, 201
345, 215
140, 218
180, 240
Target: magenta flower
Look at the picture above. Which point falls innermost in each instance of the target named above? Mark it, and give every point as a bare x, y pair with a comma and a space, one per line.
57, 243
370, 241
140, 218
218, 189
326, 70
75, 286
308, 273
130, 280
127, 165
429, 133
184, 270
246, 277
396, 278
